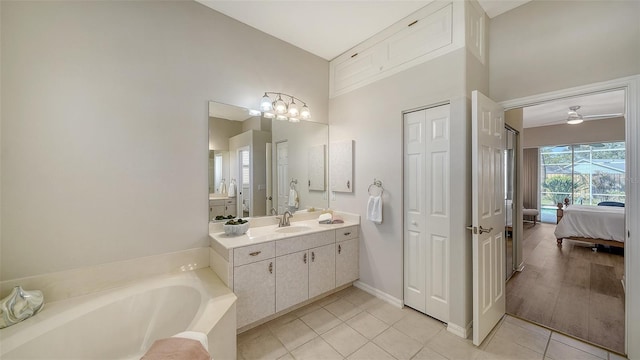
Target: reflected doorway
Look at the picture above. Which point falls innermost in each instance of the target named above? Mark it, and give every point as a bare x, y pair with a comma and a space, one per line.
510, 193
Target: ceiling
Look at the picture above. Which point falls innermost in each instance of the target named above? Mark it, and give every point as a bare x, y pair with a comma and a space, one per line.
329, 28
555, 113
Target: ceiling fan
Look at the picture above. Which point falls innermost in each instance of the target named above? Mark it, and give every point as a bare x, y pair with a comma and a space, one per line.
574, 117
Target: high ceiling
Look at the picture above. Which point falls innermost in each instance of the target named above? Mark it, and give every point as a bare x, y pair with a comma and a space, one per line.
329, 28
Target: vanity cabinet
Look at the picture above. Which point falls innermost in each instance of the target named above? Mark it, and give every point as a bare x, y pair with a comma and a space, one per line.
222, 207
274, 276
347, 250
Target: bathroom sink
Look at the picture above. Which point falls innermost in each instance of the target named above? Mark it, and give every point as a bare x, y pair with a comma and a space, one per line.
292, 229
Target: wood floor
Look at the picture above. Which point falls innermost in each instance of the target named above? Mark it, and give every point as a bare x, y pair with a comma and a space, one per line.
571, 289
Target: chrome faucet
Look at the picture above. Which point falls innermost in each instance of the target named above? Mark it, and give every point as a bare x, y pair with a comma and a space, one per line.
284, 220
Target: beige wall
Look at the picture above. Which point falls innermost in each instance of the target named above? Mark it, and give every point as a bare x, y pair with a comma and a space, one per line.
104, 123
587, 132
550, 45
220, 130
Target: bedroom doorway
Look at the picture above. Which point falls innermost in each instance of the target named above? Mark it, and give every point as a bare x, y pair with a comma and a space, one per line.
572, 289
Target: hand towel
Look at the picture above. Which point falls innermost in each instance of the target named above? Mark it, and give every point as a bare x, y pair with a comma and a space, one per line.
325, 218
223, 188
293, 198
177, 348
374, 209
232, 189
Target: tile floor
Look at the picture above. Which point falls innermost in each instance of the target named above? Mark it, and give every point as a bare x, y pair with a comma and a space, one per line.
353, 324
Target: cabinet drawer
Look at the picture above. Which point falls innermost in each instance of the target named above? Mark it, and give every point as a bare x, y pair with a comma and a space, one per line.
217, 202
300, 243
252, 253
347, 233
230, 202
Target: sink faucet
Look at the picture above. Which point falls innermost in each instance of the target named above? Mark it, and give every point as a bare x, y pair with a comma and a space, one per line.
284, 220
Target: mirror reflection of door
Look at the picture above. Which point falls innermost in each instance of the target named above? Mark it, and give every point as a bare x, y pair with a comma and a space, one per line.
269, 198
244, 182
282, 165
509, 192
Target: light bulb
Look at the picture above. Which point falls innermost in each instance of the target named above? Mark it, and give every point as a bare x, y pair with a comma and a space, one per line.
280, 106
265, 103
305, 114
281, 117
293, 109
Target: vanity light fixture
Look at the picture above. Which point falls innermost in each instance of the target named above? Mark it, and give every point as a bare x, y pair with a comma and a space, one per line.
284, 108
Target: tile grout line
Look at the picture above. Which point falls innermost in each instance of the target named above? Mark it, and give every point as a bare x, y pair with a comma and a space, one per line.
544, 355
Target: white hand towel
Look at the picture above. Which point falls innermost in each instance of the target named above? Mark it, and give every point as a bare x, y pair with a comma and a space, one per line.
293, 198
223, 188
374, 209
232, 189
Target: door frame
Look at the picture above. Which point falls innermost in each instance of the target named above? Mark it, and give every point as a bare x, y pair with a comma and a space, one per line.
631, 85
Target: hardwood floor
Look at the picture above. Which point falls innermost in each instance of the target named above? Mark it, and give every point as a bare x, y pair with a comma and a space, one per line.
572, 289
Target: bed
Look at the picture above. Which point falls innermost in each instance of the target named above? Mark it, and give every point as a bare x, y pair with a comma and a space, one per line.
602, 225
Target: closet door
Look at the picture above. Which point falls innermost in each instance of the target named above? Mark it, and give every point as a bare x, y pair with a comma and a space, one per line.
426, 211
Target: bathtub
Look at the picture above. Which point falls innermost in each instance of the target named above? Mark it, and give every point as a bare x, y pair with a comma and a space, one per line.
124, 322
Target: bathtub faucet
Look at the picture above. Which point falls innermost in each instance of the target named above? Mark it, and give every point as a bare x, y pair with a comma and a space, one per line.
20, 305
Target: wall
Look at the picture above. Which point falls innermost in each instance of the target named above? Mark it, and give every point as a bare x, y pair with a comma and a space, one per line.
606, 130
104, 124
220, 130
549, 45
372, 116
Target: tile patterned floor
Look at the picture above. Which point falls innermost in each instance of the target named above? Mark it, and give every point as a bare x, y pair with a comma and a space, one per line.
353, 324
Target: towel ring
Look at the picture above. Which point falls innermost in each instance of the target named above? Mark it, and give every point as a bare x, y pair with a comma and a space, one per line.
376, 184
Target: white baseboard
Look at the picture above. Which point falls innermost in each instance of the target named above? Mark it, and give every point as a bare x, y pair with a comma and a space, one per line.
458, 330
379, 294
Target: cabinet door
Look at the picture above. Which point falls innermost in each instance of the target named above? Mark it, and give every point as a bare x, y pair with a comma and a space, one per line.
215, 210
230, 208
347, 262
322, 269
254, 285
292, 279
341, 162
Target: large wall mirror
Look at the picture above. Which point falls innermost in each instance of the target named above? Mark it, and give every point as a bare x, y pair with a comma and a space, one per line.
258, 164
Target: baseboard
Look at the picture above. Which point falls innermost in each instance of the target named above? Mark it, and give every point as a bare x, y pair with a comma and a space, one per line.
379, 294
463, 332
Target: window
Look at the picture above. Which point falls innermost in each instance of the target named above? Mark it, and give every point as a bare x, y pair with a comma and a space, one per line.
586, 174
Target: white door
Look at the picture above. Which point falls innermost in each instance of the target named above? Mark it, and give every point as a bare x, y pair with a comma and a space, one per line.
292, 279
322, 269
282, 166
427, 211
487, 215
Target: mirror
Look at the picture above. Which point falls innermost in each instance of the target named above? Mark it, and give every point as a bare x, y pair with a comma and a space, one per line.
256, 164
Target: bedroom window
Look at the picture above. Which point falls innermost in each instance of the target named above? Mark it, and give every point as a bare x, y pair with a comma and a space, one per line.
587, 174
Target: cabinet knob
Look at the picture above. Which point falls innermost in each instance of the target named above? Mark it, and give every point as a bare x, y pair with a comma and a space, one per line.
347, 233
271, 268
339, 249
304, 258
313, 256
348, 184
255, 253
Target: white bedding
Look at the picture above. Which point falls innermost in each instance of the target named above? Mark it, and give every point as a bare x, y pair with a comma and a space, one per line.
597, 222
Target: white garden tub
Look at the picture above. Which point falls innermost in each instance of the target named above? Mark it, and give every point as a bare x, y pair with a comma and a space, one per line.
123, 323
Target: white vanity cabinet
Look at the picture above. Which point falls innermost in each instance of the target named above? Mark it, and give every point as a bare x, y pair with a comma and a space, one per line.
222, 207
347, 255
273, 276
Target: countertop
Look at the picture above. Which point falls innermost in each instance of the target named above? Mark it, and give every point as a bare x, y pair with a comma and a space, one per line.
261, 234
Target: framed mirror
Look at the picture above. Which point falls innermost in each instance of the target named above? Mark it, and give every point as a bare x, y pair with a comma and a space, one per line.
258, 164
